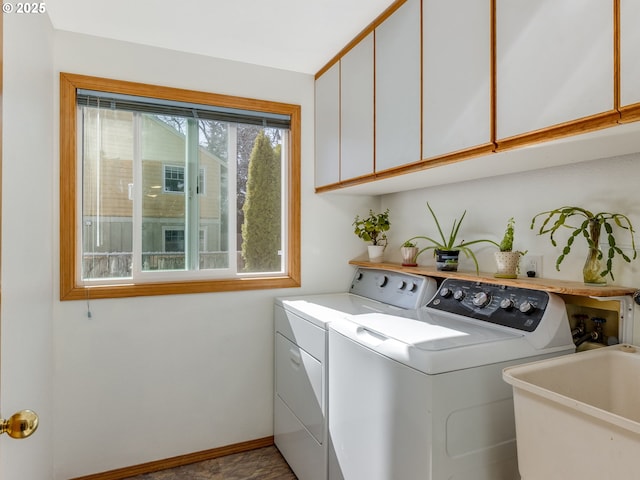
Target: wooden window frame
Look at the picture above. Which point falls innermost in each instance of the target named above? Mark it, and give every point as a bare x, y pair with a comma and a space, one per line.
71, 288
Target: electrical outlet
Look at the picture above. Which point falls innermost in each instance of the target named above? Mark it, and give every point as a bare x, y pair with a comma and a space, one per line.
532, 263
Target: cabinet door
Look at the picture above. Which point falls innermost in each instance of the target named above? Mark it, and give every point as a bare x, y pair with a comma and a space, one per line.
328, 127
554, 62
397, 100
629, 52
456, 75
356, 97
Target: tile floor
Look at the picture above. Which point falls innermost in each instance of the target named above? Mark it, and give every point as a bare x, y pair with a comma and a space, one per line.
260, 464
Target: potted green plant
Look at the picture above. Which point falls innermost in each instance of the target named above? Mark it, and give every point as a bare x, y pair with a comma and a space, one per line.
590, 227
447, 249
372, 229
507, 260
409, 251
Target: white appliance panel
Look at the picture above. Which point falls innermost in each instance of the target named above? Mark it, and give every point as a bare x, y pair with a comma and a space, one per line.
299, 385
373, 433
305, 456
389, 421
301, 332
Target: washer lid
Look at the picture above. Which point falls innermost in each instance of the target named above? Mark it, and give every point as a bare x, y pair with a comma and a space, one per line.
431, 332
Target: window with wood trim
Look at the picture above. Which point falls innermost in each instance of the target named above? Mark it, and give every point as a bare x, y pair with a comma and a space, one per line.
166, 191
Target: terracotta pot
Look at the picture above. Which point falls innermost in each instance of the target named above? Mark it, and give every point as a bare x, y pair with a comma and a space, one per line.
409, 256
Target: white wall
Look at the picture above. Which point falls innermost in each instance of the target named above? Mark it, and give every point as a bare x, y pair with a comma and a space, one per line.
27, 245
150, 378
609, 185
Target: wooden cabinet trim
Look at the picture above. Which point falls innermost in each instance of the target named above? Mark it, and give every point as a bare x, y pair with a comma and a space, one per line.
630, 113
346, 183
412, 167
554, 132
366, 31
616, 55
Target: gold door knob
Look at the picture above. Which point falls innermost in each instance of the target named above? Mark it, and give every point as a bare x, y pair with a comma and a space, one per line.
20, 425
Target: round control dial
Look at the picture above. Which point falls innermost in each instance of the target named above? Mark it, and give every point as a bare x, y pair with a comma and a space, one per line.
445, 292
458, 295
481, 299
526, 307
401, 284
382, 281
506, 303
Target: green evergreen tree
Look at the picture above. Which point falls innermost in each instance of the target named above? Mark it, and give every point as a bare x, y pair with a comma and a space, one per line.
261, 236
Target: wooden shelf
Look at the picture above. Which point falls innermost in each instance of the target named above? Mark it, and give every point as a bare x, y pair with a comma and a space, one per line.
548, 285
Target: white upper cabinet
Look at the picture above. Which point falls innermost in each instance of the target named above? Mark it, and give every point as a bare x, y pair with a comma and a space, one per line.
397, 77
629, 52
356, 97
554, 62
327, 123
456, 75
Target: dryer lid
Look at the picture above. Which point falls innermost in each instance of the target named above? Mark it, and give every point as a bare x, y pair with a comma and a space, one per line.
432, 332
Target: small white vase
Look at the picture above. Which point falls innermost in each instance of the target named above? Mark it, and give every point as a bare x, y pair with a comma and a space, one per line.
376, 252
507, 264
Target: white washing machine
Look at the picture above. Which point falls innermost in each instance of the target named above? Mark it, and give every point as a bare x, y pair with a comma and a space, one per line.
301, 386
423, 398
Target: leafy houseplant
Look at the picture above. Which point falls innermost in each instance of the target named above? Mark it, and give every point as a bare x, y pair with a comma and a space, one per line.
506, 259
590, 228
447, 248
372, 229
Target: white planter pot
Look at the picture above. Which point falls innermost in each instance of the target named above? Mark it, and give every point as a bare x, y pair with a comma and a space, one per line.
376, 252
507, 264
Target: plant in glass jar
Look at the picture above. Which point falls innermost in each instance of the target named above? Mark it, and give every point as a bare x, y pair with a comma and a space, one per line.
596, 268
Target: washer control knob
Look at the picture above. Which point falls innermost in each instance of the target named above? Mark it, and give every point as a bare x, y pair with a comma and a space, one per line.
458, 295
382, 281
401, 284
413, 286
481, 299
506, 303
445, 292
526, 307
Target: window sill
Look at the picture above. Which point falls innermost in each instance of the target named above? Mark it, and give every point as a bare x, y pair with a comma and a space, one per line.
177, 288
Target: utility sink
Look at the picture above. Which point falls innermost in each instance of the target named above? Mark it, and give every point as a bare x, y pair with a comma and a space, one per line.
578, 416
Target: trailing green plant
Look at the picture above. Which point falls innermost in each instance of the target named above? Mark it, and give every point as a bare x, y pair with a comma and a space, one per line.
372, 228
451, 242
590, 229
506, 245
